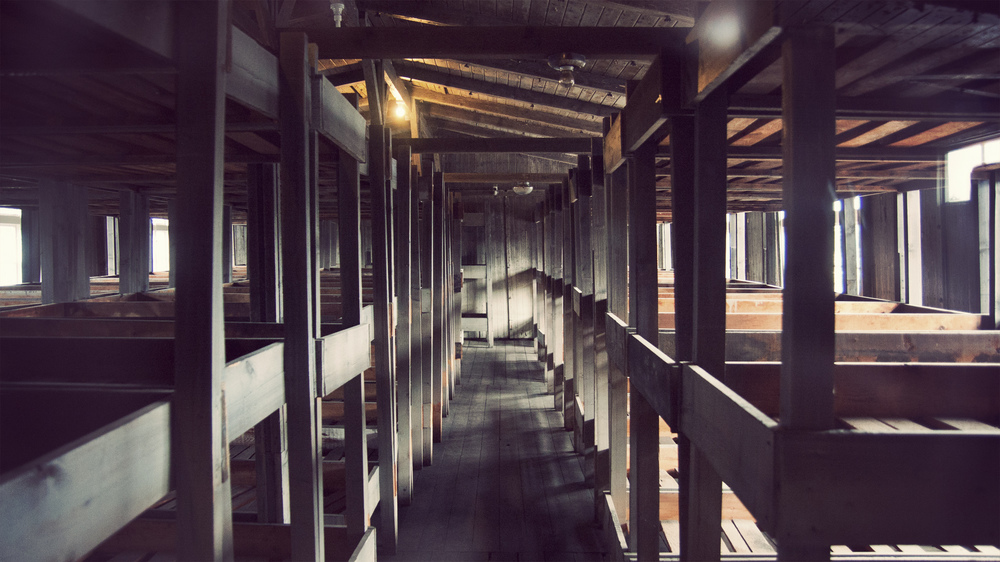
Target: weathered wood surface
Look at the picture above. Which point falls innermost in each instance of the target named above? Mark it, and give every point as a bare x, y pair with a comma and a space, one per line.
958, 346
113, 472
272, 541
852, 321
908, 390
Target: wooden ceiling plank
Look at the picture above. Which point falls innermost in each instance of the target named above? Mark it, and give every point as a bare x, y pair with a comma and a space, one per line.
762, 132
500, 123
426, 73
877, 133
490, 42
474, 104
584, 77
939, 132
443, 145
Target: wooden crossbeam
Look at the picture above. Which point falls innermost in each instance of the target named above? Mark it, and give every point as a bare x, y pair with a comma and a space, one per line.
490, 42
497, 144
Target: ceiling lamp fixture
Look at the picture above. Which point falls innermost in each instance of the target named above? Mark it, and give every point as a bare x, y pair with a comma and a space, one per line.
566, 63
523, 189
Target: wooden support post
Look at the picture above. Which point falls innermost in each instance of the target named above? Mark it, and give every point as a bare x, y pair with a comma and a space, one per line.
439, 366
171, 235
270, 439
700, 525
850, 234
31, 264
755, 246
306, 491
62, 226
97, 246
807, 346
599, 309
537, 291
682, 181
734, 271
548, 220
458, 282
773, 266
568, 319
355, 438
644, 497
227, 243
200, 450
378, 172
133, 228
618, 305
992, 236
558, 333
403, 252
416, 326
585, 281
879, 252
427, 307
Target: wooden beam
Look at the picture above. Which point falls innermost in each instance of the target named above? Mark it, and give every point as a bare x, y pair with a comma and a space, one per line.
751, 29
540, 70
507, 110
957, 108
507, 42
427, 305
416, 325
134, 242
200, 439
297, 272
62, 251
41, 514
433, 75
336, 119
497, 144
505, 124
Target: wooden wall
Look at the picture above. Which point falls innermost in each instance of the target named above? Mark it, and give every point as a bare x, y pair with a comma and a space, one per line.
505, 242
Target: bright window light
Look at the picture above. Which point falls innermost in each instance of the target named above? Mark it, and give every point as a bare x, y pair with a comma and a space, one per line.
10, 246
959, 165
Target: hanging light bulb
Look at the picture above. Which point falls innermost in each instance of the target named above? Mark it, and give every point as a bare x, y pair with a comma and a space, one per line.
400, 109
566, 63
523, 189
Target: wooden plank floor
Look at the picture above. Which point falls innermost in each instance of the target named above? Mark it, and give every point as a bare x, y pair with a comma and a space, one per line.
505, 483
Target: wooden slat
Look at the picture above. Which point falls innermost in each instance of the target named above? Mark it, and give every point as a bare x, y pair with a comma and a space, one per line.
656, 376
255, 387
347, 354
270, 541
253, 76
336, 119
735, 436
861, 486
113, 474
497, 145
852, 322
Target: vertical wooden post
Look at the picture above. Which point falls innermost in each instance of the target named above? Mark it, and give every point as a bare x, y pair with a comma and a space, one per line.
618, 305
850, 229
31, 265
403, 357
62, 249
700, 525
599, 310
585, 282
97, 246
568, 320
879, 252
807, 337
773, 267
386, 389
458, 281
682, 135
355, 440
200, 439
227, 243
427, 307
644, 496
558, 366
439, 366
416, 326
133, 228
171, 235
755, 246
306, 491
270, 440
548, 229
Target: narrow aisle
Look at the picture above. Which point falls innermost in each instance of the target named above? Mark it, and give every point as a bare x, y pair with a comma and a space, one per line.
505, 483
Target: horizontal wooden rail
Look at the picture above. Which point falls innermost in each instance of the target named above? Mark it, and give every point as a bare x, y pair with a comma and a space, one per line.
880, 322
